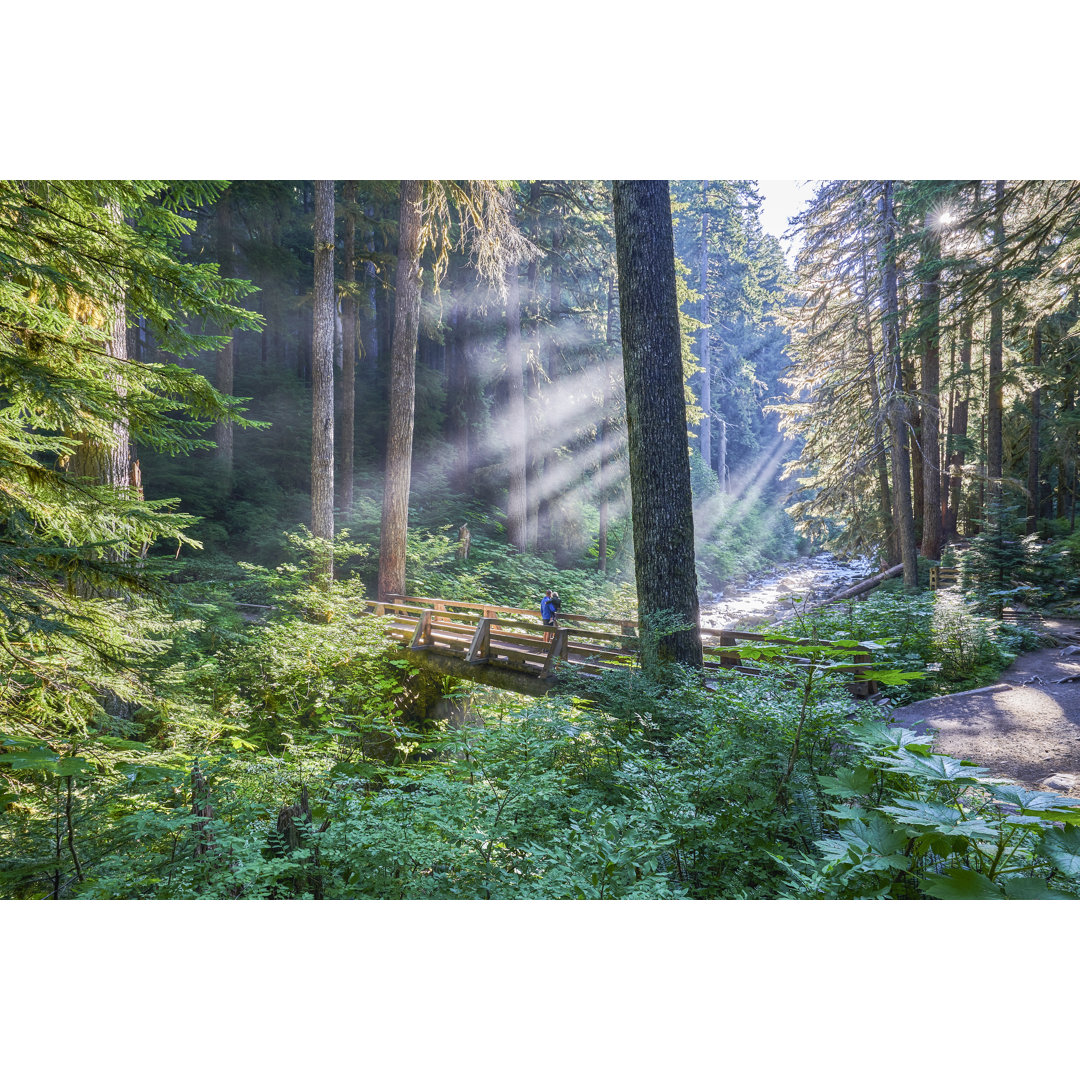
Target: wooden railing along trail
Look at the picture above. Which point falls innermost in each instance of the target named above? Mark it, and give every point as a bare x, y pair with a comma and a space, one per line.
514, 639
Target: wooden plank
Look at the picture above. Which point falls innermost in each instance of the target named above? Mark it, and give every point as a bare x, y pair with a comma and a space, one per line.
614, 655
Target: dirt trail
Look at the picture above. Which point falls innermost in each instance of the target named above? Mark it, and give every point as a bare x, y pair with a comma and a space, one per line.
1026, 727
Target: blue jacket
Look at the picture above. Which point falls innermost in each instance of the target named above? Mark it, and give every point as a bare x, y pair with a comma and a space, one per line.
547, 608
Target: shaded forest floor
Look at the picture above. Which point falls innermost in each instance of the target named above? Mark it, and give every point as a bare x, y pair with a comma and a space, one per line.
1026, 727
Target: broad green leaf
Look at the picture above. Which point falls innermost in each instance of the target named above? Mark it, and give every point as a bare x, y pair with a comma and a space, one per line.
1071, 818
943, 819
960, 883
120, 744
1019, 888
877, 833
72, 766
43, 760
1032, 800
36, 758
936, 767
848, 783
894, 677
1062, 848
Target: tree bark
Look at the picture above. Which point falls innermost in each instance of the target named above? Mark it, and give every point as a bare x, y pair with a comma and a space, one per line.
399, 438
703, 347
895, 404
994, 393
457, 413
958, 428
1033, 434
661, 497
605, 429
930, 296
534, 415
515, 422
322, 369
109, 463
346, 436
885, 502
545, 539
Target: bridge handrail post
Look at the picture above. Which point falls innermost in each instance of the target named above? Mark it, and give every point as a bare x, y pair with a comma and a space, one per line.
421, 638
558, 648
480, 649
863, 687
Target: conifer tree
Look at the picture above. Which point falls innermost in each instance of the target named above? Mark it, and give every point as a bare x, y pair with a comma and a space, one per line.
322, 369
656, 417
895, 404
77, 259
395, 507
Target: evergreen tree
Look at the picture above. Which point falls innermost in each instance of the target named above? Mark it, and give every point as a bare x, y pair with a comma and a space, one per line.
322, 370
77, 259
395, 512
656, 417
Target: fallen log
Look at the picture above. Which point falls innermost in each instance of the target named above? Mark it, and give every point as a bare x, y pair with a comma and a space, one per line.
868, 584
847, 594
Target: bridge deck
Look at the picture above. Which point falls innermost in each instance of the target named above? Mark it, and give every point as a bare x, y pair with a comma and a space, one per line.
467, 637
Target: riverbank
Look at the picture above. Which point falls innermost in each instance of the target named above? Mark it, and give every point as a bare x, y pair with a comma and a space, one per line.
767, 598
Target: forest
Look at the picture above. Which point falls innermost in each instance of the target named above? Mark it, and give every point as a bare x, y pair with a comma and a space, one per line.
288, 468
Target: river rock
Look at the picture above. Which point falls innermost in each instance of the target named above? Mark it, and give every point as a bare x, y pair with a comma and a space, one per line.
1061, 781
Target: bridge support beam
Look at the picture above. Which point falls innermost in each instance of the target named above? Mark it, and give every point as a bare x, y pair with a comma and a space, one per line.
520, 682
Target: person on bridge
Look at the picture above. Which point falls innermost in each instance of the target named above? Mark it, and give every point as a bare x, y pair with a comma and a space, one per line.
547, 612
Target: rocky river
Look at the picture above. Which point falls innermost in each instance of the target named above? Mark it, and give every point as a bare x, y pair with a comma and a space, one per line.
767, 598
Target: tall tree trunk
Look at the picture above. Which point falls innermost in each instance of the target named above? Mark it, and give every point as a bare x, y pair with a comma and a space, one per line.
994, 395
534, 415
930, 297
457, 396
914, 431
958, 429
1033, 434
223, 433
1067, 455
885, 505
661, 498
950, 412
605, 428
395, 508
895, 404
545, 539
109, 463
346, 437
703, 346
515, 422
322, 371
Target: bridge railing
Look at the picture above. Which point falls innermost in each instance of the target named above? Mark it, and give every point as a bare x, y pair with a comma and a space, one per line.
492, 610
491, 634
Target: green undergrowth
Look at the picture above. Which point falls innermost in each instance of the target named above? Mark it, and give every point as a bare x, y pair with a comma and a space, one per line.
291, 751
934, 635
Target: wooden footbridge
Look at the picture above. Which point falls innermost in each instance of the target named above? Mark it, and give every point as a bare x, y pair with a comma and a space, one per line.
511, 648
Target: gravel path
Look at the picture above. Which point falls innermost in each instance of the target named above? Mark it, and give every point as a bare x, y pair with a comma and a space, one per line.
1025, 728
